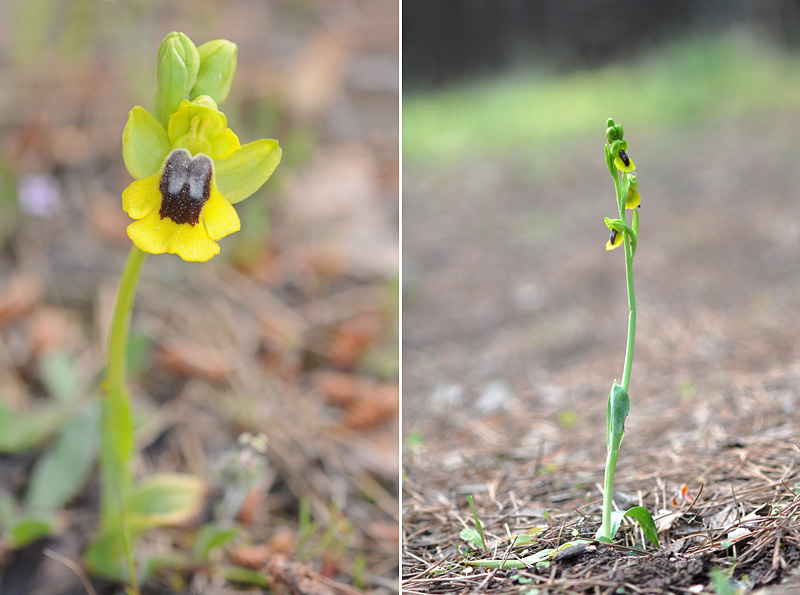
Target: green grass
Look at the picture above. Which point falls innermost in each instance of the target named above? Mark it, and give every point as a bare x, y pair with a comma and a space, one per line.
722, 76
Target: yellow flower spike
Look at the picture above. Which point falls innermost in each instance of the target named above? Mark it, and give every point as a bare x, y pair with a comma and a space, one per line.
183, 204
615, 241
623, 162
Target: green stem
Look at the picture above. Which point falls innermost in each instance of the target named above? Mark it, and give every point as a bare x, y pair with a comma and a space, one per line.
608, 491
117, 421
626, 371
613, 449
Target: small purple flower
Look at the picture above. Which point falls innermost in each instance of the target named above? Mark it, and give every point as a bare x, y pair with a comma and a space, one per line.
39, 194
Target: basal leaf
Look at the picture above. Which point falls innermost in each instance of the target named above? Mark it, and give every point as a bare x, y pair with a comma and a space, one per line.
29, 529
165, 499
210, 537
641, 515
472, 536
21, 430
64, 469
60, 376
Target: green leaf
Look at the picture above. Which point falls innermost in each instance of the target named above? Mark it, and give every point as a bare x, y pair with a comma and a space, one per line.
472, 536
722, 582
21, 430
523, 563
525, 539
646, 522
242, 575
245, 171
30, 529
165, 499
59, 375
478, 523
210, 537
64, 469
618, 407
635, 236
641, 515
105, 556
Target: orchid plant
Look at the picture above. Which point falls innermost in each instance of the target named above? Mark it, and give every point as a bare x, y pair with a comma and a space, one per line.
621, 168
189, 168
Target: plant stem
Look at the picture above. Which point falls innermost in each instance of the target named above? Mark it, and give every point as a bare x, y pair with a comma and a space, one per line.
608, 491
626, 371
613, 449
117, 421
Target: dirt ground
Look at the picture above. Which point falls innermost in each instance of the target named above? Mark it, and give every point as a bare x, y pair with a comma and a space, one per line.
514, 327
291, 331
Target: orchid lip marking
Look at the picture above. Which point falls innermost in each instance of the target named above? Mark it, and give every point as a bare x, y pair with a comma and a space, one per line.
185, 186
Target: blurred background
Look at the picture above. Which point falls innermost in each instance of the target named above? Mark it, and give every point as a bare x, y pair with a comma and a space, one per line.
514, 315
291, 331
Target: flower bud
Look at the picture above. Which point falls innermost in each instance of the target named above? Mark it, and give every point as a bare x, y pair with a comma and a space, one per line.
217, 66
178, 63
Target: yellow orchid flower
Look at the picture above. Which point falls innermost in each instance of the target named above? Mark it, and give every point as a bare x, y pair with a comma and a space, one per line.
623, 162
187, 176
615, 240
634, 198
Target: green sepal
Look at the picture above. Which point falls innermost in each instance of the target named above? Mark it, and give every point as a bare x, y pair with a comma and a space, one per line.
619, 145
176, 73
618, 224
217, 67
245, 171
617, 409
145, 144
610, 160
635, 227
641, 515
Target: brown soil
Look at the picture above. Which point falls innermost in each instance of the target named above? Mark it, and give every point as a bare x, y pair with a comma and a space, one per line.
514, 328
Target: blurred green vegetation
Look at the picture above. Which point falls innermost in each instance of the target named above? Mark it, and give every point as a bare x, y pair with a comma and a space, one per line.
731, 75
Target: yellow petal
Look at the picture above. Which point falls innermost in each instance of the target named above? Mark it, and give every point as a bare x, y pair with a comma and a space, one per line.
142, 197
152, 234
615, 241
634, 198
156, 236
191, 242
224, 144
621, 165
218, 216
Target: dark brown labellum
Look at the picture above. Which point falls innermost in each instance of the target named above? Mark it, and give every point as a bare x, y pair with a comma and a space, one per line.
613, 236
185, 186
624, 156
